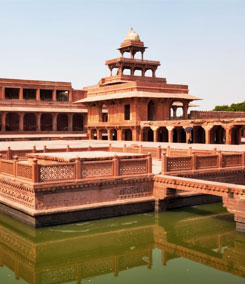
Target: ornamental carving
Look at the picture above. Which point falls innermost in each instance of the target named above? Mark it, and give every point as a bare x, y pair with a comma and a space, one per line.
97, 169
177, 163
132, 167
56, 172
24, 171
7, 167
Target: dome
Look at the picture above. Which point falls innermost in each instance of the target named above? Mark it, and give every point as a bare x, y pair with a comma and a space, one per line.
132, 35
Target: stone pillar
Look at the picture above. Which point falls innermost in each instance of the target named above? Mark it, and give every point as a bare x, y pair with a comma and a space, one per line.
119, 135
154, 129
134, 134
89, 134
70, 116
2, 90
174, 112
21, 121
54, 99
21, 94
207, 134
185, 110
99, 134
170, 133
54, 121
38, 94
38, 117
228, 132
3, 121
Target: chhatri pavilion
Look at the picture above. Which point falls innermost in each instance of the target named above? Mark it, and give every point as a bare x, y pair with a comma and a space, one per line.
143, 107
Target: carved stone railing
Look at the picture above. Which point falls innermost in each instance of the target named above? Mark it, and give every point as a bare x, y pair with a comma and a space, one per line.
195, 162
207, 161
97, 169
7, 167
53, 172
178, 163
24, 171
232, 160
132, 166
79, 169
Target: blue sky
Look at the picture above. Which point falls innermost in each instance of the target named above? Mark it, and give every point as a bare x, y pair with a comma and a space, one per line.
199, 43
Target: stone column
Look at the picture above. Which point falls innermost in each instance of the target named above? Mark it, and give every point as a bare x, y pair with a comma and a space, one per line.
54, 121
99, 134
207, 134
119, 135
21, 93
89, 134
38, 94
185, 110
70, 115
38, 117
21, 121
170, 133
1, 93
70, 96
174, 112
3, 121
54, 99
228, 131
154, 129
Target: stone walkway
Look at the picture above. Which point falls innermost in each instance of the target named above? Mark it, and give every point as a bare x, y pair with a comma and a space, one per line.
80, 143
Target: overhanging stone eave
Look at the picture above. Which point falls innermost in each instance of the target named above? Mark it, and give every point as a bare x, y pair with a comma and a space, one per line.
138, 94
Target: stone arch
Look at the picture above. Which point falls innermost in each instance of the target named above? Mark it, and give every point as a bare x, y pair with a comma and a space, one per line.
236, 134
138, 72
148, 73
217, 135
103, 134
114, 71
77, 122
62, 122
198, 135
46, 122
30, 122
12, 121
150, 110
162, 134
179, 135
176, 110
148, 134
113, 134
127, 134
127, 71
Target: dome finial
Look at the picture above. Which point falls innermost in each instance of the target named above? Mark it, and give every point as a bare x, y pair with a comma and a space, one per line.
132, 35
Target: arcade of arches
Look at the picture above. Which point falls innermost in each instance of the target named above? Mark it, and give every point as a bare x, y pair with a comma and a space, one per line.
30, 121
214, 134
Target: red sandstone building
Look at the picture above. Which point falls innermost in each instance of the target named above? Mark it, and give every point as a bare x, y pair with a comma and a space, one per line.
29, 106
131, 104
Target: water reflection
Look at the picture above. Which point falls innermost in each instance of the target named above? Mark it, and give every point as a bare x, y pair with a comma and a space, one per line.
73, 253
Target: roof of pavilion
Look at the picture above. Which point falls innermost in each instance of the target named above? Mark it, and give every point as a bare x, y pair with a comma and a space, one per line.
137, 94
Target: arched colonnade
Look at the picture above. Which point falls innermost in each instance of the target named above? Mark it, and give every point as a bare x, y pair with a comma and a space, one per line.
30, 121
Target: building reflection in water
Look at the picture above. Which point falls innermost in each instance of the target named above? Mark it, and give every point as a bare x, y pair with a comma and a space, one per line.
84, 250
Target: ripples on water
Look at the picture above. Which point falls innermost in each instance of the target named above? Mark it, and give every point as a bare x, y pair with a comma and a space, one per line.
193, 245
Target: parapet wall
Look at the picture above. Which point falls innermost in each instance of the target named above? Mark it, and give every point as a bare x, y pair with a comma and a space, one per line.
215, 114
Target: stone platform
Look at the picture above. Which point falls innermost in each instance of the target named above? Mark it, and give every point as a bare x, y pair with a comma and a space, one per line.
54, 184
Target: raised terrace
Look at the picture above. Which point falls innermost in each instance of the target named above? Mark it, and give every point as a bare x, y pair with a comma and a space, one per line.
63, 183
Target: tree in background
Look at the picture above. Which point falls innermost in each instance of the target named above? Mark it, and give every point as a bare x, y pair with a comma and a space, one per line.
232, 107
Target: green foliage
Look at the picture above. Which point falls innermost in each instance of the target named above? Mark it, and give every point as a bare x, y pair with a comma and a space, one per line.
232, 107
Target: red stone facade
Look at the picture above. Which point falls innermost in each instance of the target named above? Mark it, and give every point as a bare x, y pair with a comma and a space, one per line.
37, 107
